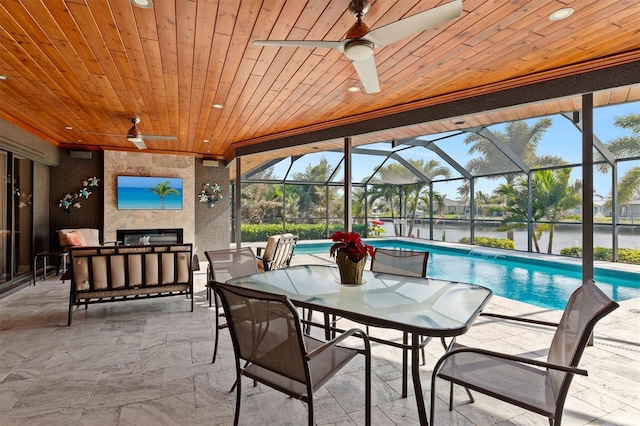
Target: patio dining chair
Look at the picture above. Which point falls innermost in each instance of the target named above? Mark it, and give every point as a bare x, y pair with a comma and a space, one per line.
271, 348
225, 265
407, 263
534, 385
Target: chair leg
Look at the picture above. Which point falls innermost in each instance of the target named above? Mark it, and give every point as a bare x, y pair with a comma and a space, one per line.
310, 408
470, 396
238, 387
309, 315
215, 342
451, 396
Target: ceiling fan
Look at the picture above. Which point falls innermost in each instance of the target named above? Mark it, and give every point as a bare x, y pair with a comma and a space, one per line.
134, 135
360, 42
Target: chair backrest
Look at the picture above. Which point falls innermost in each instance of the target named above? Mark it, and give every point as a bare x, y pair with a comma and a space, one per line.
265, 330
400, 262
586, 306
279, 250
231, 263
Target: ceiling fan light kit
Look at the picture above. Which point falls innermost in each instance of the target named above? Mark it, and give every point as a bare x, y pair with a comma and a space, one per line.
360, 42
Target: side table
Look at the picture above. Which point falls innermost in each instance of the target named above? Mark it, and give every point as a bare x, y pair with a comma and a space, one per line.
44, 255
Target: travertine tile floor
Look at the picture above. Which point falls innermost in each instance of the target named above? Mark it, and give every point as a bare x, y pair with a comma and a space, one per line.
149, 363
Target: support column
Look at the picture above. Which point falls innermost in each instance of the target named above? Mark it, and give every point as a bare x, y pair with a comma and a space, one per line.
347, 184
587, 187
238, 206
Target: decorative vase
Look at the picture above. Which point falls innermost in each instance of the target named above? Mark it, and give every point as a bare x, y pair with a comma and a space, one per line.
350, 271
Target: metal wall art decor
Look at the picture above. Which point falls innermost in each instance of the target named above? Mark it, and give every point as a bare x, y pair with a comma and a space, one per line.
72, 200
210, 194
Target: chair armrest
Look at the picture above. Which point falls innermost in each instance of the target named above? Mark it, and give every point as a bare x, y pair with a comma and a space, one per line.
519, 319
351, 332
460, 349
259, 251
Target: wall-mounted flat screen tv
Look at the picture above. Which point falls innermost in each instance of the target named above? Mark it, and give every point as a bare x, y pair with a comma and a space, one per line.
149, 193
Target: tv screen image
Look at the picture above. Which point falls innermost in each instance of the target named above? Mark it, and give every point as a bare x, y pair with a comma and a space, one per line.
149, 193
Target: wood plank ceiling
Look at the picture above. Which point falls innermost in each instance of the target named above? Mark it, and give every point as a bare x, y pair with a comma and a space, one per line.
93, 64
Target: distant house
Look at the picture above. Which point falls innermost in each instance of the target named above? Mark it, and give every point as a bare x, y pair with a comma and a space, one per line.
455, 207
630, 209
600, 207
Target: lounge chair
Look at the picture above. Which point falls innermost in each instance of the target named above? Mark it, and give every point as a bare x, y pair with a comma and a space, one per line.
278, 252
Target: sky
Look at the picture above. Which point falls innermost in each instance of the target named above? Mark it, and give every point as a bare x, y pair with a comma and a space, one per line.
561, 139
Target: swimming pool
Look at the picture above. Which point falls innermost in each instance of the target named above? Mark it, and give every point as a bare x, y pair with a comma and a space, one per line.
543, 283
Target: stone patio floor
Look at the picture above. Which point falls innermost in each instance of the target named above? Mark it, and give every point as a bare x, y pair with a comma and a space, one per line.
148, 362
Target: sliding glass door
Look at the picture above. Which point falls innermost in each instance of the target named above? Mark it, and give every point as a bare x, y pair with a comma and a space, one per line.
16, 219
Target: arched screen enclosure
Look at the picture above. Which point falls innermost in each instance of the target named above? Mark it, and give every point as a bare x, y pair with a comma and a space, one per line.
515, 184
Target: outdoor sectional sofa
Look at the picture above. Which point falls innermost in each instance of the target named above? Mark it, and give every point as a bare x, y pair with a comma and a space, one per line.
102, 274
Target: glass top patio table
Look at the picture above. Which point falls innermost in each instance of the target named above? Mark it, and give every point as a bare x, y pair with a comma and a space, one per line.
420, 306
424, 306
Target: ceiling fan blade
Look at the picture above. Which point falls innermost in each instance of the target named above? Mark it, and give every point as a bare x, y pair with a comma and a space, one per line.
414, 24
158, 138
368, 74
338, 45
101, 134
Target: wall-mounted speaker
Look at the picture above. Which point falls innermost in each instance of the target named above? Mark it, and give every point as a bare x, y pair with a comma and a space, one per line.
82, 155
210, 163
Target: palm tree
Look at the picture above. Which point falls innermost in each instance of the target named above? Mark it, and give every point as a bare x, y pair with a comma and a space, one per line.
552, 196
627, 146
415, 192
521, 138
163, 190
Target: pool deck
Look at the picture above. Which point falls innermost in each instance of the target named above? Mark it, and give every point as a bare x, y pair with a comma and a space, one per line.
148, 362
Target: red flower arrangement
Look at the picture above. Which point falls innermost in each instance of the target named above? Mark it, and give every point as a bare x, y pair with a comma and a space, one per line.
350, 244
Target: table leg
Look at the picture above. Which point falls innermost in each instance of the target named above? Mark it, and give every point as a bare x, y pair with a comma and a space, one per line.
405, 360
415, 372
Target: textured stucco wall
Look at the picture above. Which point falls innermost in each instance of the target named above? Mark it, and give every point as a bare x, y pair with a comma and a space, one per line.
66, 178
213, 224
144, 164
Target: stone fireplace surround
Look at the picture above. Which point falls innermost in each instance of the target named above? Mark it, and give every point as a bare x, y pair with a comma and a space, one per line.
147, 164
131, 237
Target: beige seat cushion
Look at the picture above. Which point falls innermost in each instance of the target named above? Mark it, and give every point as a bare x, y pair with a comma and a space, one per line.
272, 242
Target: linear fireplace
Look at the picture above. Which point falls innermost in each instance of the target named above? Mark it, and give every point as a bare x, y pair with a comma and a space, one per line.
132, 237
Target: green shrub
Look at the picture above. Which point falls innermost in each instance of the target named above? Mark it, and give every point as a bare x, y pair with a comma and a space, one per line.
571, 251
304, 231
490, 242
603, 253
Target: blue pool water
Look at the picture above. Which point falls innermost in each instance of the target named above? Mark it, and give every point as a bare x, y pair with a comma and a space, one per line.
542, 283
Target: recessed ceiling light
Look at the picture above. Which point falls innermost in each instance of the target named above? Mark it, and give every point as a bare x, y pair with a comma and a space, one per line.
561, 14
68, 127
353, 89
218, 106
4, 77
205, 140
145, 4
